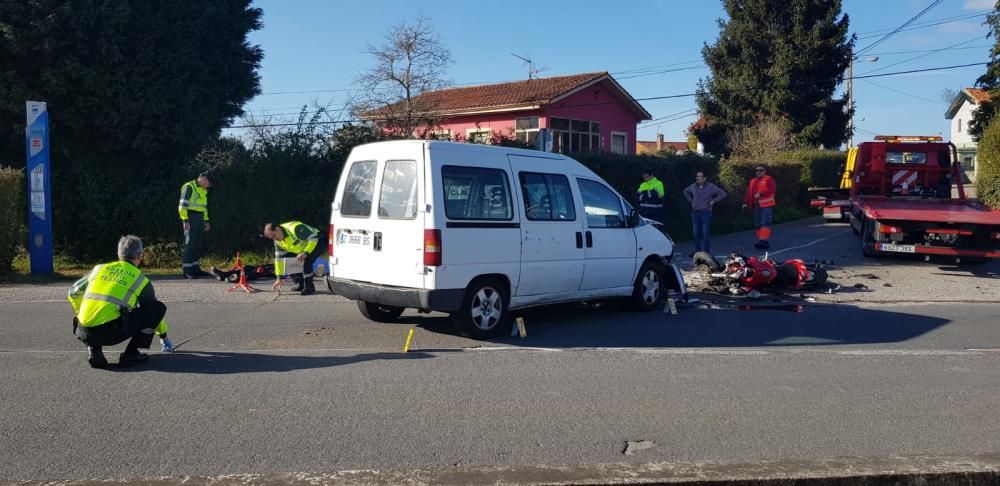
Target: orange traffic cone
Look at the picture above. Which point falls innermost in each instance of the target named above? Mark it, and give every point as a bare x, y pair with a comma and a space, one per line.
242, 284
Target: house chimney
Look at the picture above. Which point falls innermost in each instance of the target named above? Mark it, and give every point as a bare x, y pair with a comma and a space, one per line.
659, 142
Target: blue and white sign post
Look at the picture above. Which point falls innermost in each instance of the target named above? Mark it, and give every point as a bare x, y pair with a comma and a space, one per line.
39, 188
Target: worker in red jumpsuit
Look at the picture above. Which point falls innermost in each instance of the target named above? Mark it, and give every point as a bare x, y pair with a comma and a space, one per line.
760, 198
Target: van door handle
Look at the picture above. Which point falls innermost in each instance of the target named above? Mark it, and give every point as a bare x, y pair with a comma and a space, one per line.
579, 239
590, 240
377, 243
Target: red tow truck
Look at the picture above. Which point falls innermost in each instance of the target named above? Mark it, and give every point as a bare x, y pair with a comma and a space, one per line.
896, 192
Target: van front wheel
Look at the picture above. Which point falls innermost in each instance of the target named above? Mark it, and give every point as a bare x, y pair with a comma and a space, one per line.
484, 310
649, 290
379, 313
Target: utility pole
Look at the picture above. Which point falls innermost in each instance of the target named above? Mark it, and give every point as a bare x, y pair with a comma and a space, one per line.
850, 96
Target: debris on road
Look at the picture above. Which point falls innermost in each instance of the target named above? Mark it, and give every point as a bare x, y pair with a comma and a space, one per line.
633, 446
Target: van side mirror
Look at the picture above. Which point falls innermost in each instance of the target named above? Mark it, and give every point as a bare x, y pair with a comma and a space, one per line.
633, 218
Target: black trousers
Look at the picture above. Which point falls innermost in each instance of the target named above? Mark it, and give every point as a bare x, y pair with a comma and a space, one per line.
138, 325
311, 257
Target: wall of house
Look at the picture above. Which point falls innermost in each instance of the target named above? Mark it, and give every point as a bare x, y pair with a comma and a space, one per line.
494, 122
598, 103
962, 138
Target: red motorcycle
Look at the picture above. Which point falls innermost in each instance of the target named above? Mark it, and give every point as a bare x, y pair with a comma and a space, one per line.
741, 275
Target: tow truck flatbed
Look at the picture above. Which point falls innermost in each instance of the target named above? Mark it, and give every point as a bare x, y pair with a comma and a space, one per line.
947, 211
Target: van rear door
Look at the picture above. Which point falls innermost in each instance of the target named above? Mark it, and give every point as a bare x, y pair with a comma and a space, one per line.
379, 221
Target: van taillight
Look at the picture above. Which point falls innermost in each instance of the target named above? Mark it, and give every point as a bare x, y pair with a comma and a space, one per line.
432, 248
329, 244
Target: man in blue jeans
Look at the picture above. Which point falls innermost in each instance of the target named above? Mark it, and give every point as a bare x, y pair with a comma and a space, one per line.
702, 195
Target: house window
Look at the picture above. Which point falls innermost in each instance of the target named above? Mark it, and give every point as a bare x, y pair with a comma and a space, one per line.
479, 135
619, 141
444, 134
526, 129
959, 125
570, 136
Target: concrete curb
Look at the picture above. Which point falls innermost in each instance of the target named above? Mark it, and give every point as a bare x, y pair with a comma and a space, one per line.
969, 470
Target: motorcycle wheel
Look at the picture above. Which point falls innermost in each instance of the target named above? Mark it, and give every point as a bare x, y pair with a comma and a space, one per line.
817, 277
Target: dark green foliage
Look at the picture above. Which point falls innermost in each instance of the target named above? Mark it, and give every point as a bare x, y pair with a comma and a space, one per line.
777, 59
285, 174
135, 89
735, 174
990, 81
820, 168
12, 214
988, 166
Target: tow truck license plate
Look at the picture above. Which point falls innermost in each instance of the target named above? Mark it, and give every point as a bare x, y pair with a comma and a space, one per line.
898, 248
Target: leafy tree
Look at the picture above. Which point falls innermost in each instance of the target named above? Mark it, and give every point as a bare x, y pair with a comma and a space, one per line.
777, 59
412, 60
135, 89
988, 166
990, 81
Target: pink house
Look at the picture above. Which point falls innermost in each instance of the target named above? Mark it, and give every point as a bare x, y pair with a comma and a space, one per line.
584, 112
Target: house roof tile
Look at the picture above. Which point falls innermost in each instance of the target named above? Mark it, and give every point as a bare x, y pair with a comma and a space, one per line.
512, 94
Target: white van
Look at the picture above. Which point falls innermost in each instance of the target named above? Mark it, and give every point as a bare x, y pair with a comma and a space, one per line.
478, 231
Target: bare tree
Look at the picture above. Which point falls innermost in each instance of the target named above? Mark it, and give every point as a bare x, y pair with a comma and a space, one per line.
411, 62
762, 140
948, 95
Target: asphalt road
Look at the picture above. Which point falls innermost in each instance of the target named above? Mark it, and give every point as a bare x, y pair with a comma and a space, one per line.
263, 383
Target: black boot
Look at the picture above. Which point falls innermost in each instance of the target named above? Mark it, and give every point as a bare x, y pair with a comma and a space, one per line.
309, 287
96, 359
298, 283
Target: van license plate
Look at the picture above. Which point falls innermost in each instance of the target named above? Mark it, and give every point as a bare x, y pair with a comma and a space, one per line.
354, 240
898, 248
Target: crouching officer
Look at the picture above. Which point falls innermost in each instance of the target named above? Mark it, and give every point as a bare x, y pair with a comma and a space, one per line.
115, 302
303, 241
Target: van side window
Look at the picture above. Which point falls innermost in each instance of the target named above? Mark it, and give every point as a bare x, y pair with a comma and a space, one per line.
398, 197
358, 190
547, 197
476, 193
603, 206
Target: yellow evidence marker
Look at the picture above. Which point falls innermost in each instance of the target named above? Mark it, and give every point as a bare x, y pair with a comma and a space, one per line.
409, 337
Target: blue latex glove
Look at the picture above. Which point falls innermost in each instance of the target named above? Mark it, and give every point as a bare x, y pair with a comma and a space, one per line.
166, 346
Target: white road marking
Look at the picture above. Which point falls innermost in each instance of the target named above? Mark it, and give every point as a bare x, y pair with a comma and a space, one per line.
811, 243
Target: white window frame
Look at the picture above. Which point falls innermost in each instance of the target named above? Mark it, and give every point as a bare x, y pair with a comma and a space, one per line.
527, 131
959, 125
469, 132
611, 146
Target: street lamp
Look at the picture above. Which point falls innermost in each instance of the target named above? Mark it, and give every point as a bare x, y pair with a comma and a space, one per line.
850, 95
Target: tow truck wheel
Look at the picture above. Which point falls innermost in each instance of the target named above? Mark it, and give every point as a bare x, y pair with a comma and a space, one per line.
868, 238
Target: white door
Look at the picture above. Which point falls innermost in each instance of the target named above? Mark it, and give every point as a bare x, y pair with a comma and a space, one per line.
551, 230
378, 224
610, 246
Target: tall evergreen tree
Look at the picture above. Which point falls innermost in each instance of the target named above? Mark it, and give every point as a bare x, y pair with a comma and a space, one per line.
990, 81
777, 59
134, 88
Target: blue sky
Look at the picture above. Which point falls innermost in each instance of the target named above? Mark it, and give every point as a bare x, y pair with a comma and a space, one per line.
317, 46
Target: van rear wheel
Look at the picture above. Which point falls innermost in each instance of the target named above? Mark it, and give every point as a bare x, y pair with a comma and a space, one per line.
379, 313
484, 311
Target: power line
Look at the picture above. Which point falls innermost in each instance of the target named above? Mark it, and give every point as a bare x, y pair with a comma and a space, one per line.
904, 93
924, 25
664, 97
669, 116
898, 29
984, 46
926, 54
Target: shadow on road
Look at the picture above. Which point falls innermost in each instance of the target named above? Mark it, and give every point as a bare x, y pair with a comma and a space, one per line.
215, 363
571, 326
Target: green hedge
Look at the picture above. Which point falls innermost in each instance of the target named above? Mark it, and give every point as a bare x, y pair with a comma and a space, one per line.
988, 166
820, 168
11, 214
